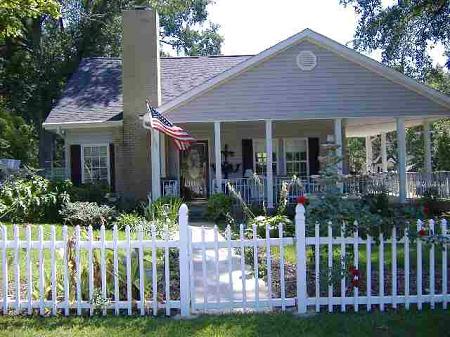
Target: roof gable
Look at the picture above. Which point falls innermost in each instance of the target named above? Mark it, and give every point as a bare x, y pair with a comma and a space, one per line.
321, 41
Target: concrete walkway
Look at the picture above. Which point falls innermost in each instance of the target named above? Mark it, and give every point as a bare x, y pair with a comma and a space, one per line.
220, 290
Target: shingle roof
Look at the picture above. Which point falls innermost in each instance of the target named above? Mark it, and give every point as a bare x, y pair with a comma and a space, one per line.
94, 92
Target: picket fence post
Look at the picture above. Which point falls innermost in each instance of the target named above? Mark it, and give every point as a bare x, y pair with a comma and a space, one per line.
183, 222
300, 236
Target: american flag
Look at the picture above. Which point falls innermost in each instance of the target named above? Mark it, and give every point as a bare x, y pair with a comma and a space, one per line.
181, 138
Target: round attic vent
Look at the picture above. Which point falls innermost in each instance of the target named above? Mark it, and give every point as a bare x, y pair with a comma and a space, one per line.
306, 60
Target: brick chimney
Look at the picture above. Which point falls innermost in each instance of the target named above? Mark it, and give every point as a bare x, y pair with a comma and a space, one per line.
140, 81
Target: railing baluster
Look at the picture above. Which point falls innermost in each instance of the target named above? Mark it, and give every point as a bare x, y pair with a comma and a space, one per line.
444, 266
17, 268
282, 282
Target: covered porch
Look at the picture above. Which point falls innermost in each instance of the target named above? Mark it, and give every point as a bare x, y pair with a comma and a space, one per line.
241, 148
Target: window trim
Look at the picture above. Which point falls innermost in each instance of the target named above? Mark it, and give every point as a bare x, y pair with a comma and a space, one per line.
108, 160
277, 143
307, 153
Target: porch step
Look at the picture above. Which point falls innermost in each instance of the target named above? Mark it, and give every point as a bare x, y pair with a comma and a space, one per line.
197, 210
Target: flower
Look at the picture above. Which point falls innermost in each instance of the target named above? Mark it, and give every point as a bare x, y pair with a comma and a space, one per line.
302, 200
355, 283
422, 232
426, 209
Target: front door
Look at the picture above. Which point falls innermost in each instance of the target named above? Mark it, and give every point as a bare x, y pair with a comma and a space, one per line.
194, 167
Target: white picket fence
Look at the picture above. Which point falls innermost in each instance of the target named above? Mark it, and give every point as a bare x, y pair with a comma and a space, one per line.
219, 274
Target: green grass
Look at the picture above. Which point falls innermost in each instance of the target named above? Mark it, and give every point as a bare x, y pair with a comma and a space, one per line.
388, 324
290, 255
46, 255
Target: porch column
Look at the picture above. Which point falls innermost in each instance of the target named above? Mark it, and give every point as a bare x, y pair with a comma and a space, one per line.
269, 175
384, 152
162, 144
156, 164
427, 143
369, 154
338, 142
218, 157
401, 143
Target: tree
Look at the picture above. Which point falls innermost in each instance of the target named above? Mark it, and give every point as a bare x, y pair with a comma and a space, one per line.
16, 14
48, 45
16, 138
403, 31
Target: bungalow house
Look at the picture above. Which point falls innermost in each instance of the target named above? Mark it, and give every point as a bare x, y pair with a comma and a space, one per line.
285, 101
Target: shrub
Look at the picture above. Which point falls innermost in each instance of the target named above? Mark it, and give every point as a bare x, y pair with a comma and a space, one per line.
27, 196
93, 192
219, 205
162, 208
87, 213
164, 212
133, 220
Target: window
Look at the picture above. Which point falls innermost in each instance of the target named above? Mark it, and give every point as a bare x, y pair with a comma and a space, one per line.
260, 156
296, 157
95, 163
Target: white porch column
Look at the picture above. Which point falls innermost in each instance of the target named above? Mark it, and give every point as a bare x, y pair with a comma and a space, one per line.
384, 152
401, 143
338, 142
156, 164
162, 140
269, 175
218, 156
369, 154
427, 143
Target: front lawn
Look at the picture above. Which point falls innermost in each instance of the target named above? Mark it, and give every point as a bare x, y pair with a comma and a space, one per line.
403, 323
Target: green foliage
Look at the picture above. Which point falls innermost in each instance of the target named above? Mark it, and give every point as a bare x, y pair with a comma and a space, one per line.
94, 192
403, 31
86, 213
219, 205
163, 212
29, 197
133, 220
357, 154
441, 144
17, 139
13, 14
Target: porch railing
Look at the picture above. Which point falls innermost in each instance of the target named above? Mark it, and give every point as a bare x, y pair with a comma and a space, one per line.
251, 191
418, 185
170, 187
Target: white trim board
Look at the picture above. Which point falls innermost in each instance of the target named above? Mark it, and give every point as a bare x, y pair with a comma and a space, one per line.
81, 125
321, 41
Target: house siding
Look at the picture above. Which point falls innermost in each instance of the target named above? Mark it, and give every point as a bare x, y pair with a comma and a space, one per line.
278, 89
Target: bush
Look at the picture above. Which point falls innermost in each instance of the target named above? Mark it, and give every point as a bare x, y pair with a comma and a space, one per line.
93, 192
133, 220
164, 212
219, 205
163, 208
87, 213
28, 197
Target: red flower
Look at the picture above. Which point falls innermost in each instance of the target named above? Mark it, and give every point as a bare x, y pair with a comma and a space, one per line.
355, 283
426, 209
302, 200
422, 232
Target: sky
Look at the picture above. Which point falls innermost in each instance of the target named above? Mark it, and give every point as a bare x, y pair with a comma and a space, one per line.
250, 26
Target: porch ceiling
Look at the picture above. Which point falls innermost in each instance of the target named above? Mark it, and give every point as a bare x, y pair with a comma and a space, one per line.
362, 127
